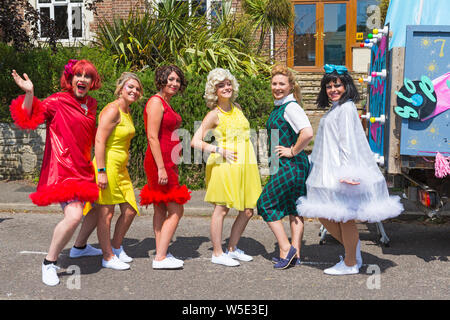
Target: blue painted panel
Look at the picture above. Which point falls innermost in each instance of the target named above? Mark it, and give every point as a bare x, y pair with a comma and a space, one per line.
427, 53
377, 95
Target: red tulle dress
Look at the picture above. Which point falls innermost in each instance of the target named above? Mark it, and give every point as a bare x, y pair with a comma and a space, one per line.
67, 172
169, 142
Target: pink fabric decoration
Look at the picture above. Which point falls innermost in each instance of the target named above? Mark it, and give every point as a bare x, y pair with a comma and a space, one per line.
441, 166
442, 95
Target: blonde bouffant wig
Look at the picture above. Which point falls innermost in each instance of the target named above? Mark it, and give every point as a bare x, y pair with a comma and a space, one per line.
214, 77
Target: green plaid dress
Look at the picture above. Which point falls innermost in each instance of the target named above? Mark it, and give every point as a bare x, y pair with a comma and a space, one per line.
287, 184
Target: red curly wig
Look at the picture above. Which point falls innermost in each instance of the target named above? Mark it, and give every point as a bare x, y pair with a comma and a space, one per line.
82, 66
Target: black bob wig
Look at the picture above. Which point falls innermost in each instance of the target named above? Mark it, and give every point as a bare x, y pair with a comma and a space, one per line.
351, 93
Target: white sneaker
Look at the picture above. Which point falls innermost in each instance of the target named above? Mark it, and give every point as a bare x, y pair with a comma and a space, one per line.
359, 260
167, 263
89, 251
170, 256
239, 255
49, 276
115, 263
225, 260
341, 268
121, 254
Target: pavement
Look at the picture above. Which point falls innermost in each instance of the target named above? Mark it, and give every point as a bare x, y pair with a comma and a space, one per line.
415, 265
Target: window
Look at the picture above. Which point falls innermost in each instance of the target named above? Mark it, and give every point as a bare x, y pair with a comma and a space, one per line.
68, 16
202, 7
367, 18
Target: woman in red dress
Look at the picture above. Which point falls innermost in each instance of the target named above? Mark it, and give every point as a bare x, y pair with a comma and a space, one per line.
67, 174
162, 188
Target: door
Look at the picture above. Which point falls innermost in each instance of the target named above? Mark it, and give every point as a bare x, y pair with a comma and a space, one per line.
320, 35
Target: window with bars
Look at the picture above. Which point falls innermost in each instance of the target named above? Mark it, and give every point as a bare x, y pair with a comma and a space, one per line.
68, 17
202, 7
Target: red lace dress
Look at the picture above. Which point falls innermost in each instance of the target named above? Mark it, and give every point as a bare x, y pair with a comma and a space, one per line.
169, 141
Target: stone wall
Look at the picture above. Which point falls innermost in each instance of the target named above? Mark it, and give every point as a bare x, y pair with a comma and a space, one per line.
21, 151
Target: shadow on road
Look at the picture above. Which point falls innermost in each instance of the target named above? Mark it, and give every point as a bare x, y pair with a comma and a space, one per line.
428, 242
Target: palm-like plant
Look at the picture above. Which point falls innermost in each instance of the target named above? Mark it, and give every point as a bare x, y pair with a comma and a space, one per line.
229, 25
130, 41
268, 14
210, 52
167, 33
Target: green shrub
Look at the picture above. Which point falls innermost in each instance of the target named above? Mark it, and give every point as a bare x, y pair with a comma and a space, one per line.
44, 68
36, 63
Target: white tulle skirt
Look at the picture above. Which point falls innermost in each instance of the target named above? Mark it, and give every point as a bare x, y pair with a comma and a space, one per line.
341, 151
369, 201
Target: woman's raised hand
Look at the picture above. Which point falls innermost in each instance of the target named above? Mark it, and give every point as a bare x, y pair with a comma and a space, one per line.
24, 84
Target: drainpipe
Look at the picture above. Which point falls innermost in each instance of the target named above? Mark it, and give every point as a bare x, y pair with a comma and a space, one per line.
272, 44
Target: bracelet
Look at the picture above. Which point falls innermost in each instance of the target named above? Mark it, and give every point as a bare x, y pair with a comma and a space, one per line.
216, 150
292, 152
101, 170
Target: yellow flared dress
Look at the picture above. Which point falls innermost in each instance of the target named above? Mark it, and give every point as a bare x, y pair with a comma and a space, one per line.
119, 188
238, 184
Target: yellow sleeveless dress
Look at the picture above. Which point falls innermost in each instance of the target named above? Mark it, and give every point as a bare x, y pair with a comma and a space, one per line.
119, 188
237, 184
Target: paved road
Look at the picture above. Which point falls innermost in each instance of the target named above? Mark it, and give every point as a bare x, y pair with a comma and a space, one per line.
415, 266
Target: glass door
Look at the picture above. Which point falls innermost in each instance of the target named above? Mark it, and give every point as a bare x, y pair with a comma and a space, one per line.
334, 33
305, 35
320, 34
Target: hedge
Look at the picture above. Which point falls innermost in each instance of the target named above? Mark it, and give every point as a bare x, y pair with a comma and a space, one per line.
44, 69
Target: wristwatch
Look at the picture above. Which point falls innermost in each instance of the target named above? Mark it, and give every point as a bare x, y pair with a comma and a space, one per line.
101, 170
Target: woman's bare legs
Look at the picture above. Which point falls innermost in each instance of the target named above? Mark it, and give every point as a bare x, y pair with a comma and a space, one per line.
123, 224
238, 228
283, 241
105, 214
297, 227
347, 234
350, 239
218, 215
64, 230
165, 223
333, 228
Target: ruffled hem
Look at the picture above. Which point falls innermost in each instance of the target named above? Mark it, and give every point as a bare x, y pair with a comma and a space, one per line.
337, 212
180, 195
66, 191
20, 116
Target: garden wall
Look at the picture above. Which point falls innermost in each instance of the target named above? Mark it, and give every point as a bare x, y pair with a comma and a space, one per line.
21, 152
